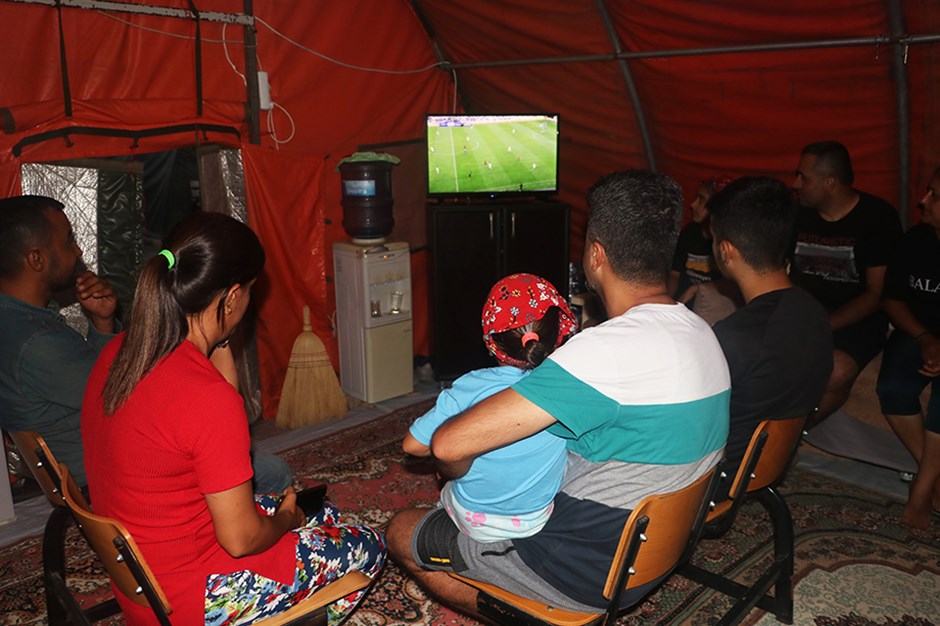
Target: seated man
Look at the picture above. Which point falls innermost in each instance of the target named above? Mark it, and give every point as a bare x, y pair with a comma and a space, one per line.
844, 239
778, 346
44, 362
642, 399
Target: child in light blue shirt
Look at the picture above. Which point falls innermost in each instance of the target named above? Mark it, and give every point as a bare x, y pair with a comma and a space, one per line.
508, 492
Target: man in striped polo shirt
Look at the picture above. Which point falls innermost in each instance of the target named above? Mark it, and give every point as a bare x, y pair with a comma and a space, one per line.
642, 400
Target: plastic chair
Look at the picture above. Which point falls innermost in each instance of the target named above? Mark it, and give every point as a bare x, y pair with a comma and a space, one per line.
132, 576
765, 462
61, 606
654, 538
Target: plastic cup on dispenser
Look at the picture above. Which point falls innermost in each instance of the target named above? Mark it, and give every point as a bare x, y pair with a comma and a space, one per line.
397, 301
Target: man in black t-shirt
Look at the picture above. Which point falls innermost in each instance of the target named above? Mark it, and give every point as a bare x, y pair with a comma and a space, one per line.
844, 239
778, 345
911, 358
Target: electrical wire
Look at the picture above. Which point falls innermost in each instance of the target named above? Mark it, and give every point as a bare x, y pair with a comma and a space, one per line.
229, 58
293, 127
333, 322
270, 118
158, 31
343, 63
223, 41
272, 130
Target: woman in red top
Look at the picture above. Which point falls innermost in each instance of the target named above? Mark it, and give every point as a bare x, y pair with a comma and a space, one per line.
167, 446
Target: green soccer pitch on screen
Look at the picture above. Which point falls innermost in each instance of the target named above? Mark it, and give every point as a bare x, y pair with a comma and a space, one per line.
492, 154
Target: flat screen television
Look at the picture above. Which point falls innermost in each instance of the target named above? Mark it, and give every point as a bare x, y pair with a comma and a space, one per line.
492, 155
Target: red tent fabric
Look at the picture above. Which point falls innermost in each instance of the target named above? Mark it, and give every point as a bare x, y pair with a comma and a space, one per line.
348, 74
290, 223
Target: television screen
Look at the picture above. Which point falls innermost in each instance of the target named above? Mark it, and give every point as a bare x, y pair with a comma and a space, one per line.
492, 154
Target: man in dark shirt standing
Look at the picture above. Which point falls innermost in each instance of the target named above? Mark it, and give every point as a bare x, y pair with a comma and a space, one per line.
778, 345
844, 239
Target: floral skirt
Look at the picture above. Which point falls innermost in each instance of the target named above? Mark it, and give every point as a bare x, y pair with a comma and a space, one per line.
326, 550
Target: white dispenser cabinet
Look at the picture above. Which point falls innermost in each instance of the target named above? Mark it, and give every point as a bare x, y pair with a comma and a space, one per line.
373, 319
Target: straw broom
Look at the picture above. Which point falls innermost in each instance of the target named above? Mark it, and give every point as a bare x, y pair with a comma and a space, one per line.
311, 391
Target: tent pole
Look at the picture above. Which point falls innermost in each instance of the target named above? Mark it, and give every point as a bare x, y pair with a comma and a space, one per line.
877, 40
251, 78
198, 53
142, 9
628, 81
63, 64
896, 19
436, 49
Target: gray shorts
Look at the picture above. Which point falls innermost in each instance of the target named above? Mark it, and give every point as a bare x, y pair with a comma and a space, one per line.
437, 545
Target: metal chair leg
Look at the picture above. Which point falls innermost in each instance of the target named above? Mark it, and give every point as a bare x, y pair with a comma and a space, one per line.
778, 575
61, 606
782, 521
53, 565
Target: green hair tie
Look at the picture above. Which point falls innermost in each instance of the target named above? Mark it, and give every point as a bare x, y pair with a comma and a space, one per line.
170, 259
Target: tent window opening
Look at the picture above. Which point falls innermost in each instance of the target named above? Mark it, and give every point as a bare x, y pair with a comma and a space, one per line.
121, 209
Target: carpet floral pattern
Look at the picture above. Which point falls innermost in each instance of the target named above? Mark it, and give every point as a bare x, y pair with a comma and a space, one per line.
855, 564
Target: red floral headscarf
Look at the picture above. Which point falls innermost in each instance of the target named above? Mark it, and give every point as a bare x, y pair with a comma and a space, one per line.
515, 301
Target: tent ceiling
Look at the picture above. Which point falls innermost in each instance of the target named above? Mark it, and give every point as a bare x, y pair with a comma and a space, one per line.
734, 87
686, 87
691, 88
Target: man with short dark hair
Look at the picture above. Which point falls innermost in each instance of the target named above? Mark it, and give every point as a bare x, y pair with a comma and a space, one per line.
844, 239
778, 345
44, 363
642, 400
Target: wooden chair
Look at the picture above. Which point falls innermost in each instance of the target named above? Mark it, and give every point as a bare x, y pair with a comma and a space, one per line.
654, 538
765, 462
61, 606
132, 576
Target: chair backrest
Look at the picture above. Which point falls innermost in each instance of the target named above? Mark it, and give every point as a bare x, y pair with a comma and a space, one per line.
118, 552
42, 464
765, 461
663, 524
783, 436
774, 442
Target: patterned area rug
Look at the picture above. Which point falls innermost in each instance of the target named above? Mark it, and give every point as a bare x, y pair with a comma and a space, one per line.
856, 566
